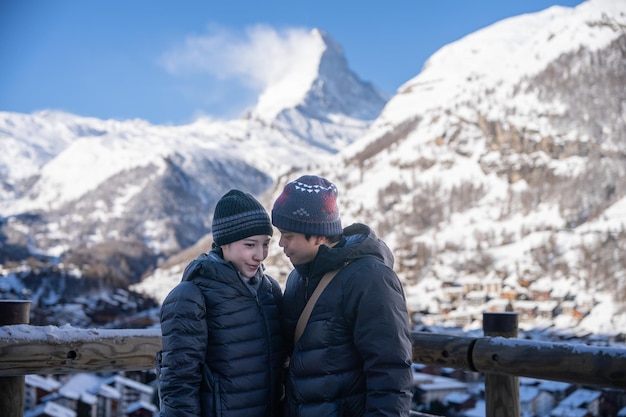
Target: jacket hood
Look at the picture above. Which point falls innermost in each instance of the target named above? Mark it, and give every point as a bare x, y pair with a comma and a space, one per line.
359, 241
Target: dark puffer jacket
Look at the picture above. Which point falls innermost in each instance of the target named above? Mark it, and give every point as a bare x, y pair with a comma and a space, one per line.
222, 347
354, 357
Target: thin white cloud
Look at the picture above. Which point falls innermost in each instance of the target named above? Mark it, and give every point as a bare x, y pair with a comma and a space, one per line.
259, 57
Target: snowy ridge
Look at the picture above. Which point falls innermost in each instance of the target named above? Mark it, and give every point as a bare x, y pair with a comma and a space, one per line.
504, 54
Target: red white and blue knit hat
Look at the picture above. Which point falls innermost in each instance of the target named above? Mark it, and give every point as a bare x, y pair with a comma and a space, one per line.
239, 215
308, 205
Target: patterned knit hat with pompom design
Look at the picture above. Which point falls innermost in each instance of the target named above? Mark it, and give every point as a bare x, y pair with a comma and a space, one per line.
239, 215
308, 205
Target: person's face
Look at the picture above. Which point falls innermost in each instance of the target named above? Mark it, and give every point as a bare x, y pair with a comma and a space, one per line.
247, 254
297, 248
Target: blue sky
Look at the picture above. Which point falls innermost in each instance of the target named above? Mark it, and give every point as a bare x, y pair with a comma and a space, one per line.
118, 59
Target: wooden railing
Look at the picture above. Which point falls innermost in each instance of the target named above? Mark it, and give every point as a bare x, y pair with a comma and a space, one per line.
603, 367
26, 349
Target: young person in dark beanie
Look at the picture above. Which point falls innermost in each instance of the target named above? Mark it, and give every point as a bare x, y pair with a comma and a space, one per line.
222, 347
352, 355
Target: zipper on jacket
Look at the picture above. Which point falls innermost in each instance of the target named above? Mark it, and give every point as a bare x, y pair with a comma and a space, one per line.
306, 289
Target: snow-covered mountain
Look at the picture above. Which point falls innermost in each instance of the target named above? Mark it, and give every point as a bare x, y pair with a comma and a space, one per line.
325, 102
501, 163
73, 185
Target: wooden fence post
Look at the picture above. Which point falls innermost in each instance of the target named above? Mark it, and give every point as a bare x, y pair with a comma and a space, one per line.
501, 392
12, 387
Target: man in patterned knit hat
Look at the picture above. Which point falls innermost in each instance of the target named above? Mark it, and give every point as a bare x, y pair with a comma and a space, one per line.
352, 355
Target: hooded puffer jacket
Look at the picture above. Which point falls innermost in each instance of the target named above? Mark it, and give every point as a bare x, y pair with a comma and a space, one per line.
222, 347
354, 357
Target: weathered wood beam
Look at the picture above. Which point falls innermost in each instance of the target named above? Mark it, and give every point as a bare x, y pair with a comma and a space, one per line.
575, 363
63, 350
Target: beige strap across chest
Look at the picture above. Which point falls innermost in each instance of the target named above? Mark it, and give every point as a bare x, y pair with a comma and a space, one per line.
308, 308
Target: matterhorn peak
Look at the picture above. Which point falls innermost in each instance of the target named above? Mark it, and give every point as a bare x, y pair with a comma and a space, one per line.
318, 82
